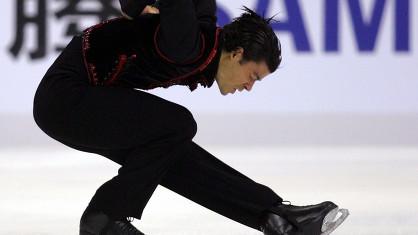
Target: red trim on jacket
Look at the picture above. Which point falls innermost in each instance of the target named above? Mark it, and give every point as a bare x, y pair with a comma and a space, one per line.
91, 69
160, 53
118, 69
199, 69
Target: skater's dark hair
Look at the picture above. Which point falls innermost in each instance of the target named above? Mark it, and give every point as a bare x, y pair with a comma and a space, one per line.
254, 34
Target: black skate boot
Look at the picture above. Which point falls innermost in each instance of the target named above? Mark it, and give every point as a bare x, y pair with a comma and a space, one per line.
276, 225
320, 219
98, 223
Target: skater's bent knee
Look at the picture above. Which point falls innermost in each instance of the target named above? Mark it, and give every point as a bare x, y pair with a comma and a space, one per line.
186, 124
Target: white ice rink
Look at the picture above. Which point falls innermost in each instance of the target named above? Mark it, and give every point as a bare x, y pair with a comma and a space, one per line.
44, 191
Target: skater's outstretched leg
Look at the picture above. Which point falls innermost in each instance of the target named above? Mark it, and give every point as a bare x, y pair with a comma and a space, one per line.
206, 180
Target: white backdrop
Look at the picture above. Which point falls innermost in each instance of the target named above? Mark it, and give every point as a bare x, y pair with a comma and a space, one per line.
345, 81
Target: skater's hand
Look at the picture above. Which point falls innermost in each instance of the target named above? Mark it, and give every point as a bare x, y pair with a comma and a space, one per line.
150, 10
147, 10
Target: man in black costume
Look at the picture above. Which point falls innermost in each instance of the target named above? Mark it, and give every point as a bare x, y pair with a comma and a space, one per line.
87, 101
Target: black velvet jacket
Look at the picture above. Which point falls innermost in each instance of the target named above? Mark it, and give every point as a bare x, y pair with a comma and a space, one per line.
149, 51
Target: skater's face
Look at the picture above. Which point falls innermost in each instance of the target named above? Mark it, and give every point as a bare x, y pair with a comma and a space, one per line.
234, 73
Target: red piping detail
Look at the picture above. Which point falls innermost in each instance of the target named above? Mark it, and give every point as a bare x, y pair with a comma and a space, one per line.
86, 46
202, 49
91, 69
119, 67
199, 69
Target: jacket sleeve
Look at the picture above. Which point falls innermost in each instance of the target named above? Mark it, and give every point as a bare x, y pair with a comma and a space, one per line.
133, 8
206, 11
179, 36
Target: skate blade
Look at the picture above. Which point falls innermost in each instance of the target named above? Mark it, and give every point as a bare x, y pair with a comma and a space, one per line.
331, 222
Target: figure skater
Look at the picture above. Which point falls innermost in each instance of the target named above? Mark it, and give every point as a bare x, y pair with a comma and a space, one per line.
93, 99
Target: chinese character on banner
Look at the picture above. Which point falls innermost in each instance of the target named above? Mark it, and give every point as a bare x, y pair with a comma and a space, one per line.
38, 19
38, 14
103, 10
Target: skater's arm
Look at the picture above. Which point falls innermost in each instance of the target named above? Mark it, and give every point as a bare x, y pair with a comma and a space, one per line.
206, 11
179, 35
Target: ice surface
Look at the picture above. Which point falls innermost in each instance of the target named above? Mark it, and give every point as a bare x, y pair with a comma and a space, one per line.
45, 190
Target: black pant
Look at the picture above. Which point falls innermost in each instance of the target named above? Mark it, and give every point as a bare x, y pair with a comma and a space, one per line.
149, 136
